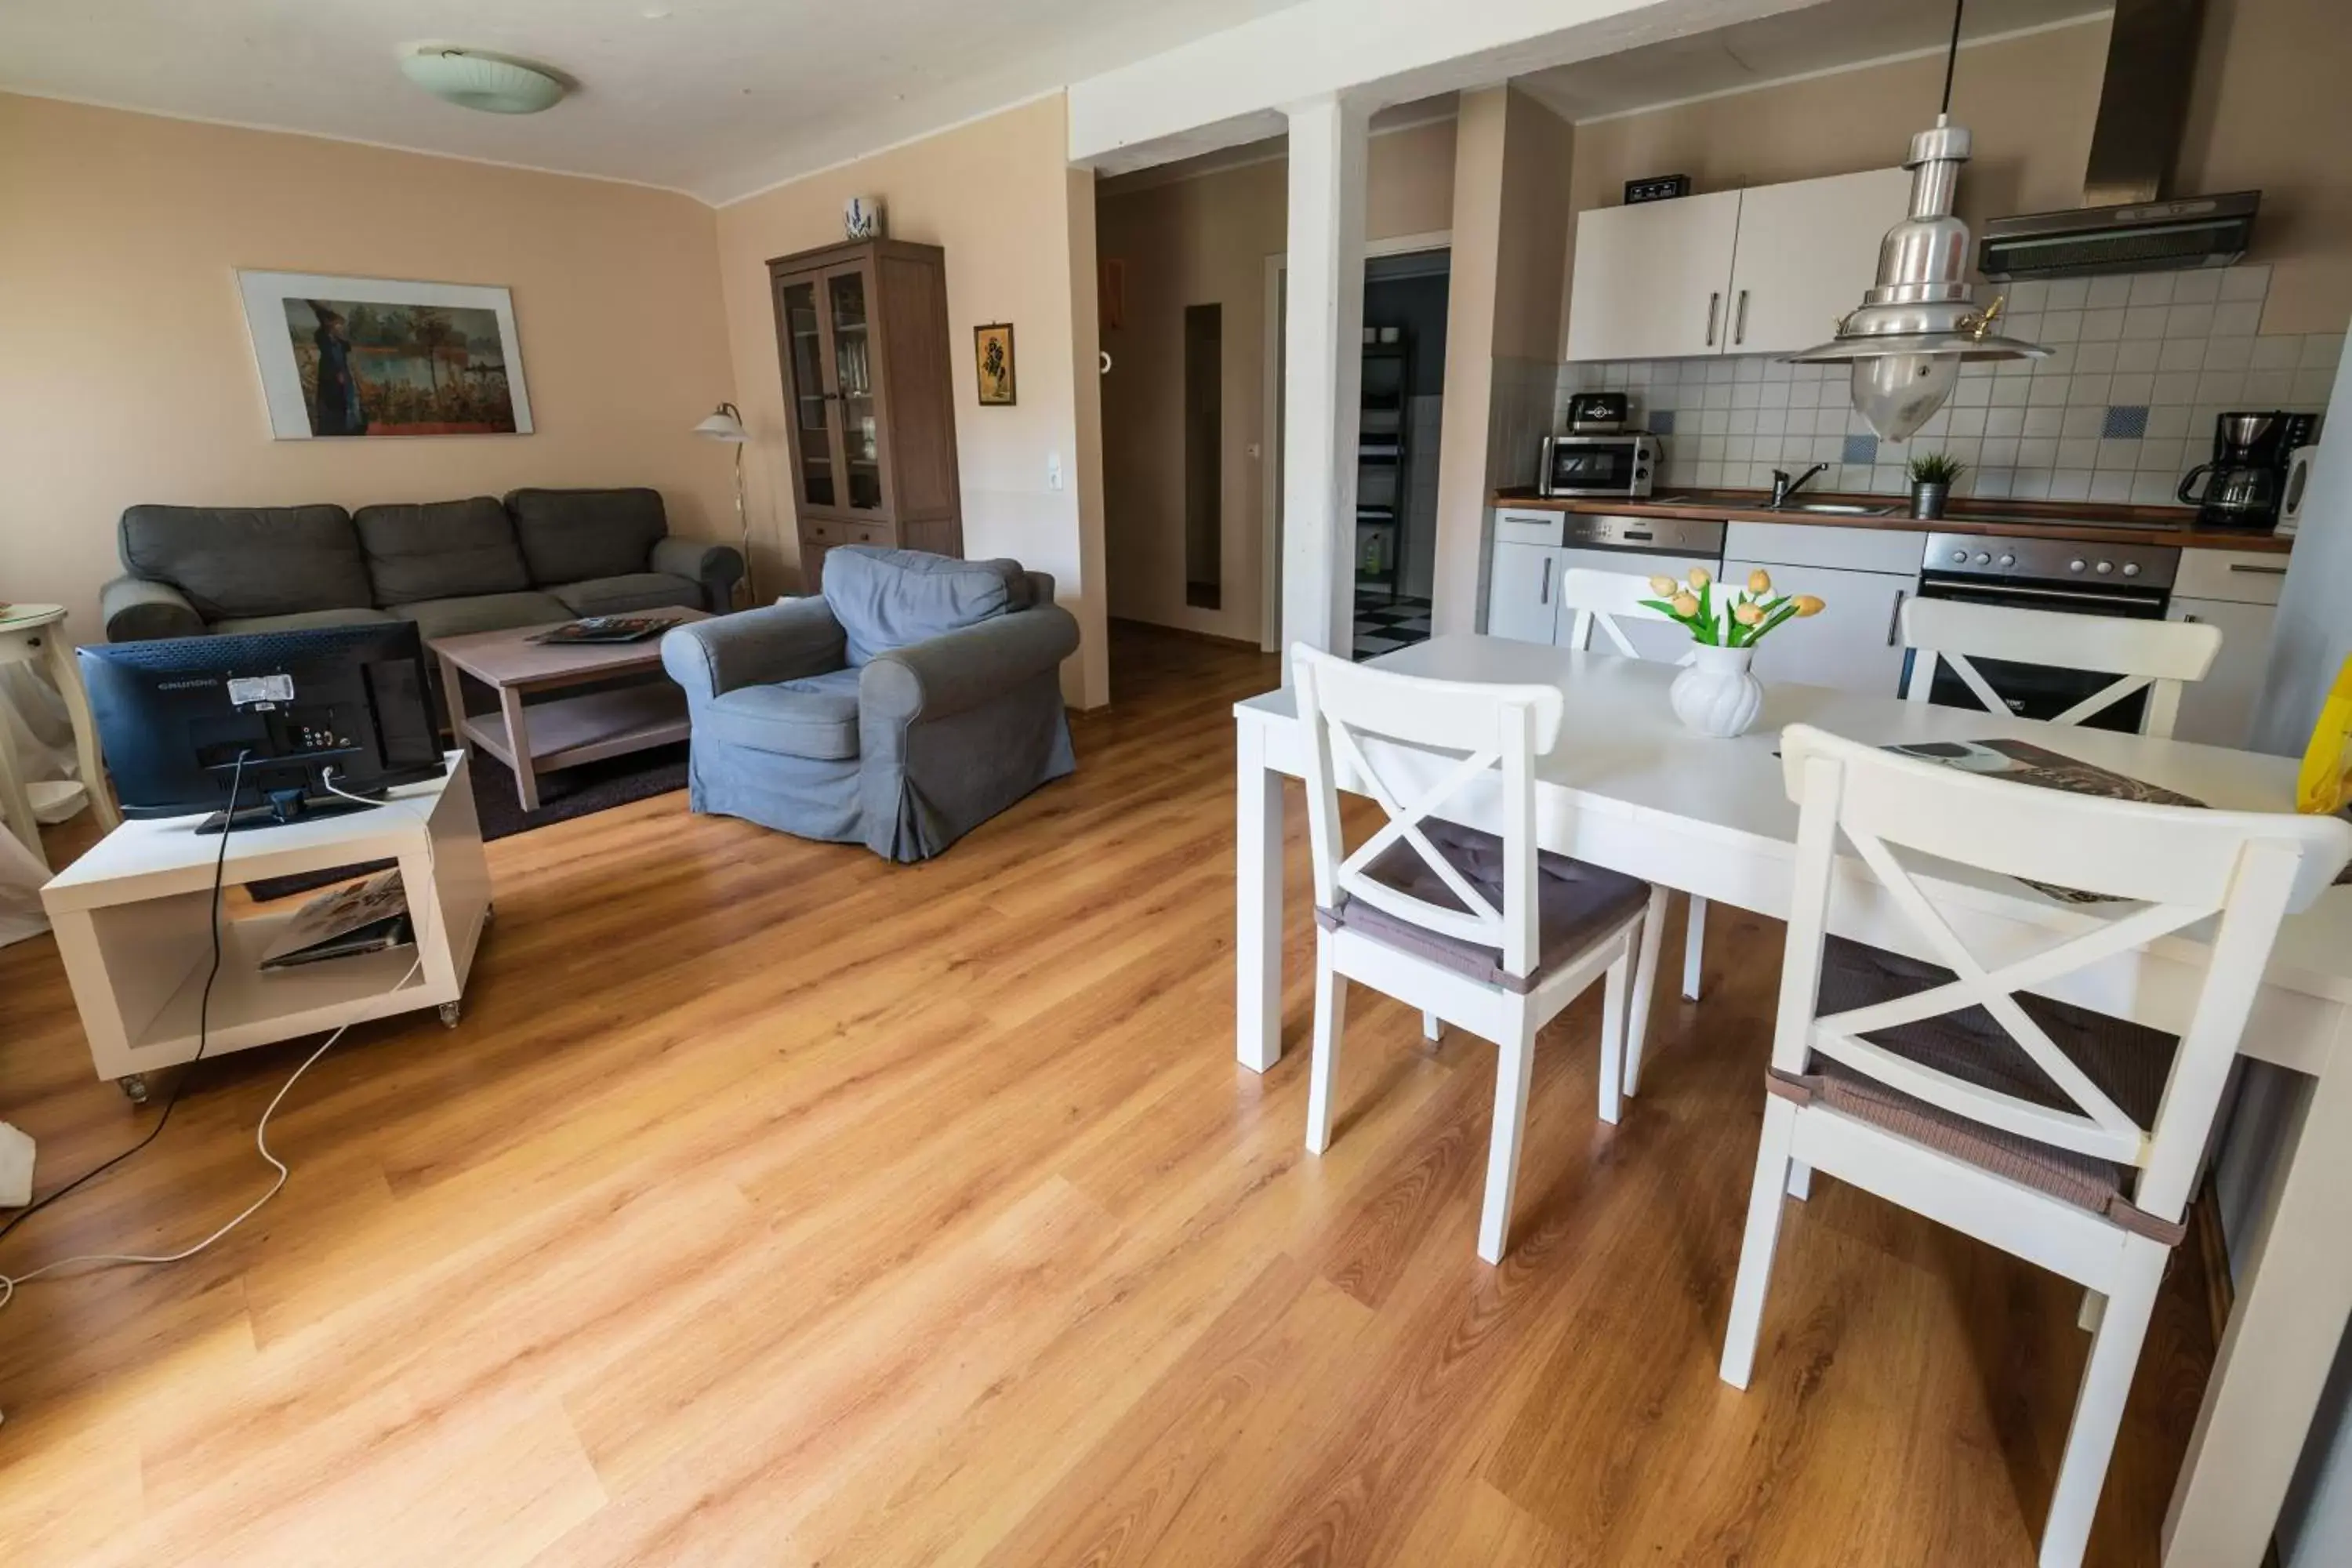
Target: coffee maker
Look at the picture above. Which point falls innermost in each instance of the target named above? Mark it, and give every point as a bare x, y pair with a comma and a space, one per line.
2247, 475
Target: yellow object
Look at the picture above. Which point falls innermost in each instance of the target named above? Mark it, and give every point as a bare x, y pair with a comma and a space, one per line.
1760, 581
1664, 587
1685, 604
1747, 615
1700, 578
2325, 784
1808, 605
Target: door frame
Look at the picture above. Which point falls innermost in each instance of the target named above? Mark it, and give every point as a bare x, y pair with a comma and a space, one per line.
1269, 639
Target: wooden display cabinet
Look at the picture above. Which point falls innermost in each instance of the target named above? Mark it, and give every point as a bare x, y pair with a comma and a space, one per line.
862, 335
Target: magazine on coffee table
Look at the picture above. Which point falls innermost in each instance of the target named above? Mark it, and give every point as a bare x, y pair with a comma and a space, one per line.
606, 629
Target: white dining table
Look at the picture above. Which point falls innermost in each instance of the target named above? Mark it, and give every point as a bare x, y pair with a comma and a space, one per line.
1628, 788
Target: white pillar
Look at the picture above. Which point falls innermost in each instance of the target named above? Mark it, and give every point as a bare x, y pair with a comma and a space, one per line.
1323, 372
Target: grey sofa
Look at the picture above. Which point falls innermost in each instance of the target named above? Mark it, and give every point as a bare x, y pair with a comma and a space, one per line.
919, 697
481, 564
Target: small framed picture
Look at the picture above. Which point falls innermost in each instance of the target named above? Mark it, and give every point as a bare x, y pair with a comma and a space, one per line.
992, 356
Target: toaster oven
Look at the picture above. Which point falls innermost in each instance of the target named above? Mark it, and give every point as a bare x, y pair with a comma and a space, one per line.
1622, 464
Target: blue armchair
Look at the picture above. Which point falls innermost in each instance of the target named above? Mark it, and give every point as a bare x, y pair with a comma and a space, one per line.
919, 697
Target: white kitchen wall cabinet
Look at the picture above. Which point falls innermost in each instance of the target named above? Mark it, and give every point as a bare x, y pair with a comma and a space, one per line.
1764, 270
1855, 643
1649, 281
1522, 602
1807, 250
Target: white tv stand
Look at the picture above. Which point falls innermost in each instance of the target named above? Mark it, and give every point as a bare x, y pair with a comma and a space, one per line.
133, 925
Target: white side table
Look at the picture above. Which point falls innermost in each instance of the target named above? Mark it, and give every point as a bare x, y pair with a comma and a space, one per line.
133, 922
34, 634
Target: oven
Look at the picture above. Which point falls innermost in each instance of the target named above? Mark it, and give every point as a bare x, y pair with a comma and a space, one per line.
1620, 463
2073, 576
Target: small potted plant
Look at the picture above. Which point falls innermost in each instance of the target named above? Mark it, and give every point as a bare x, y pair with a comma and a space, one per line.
1932, 475
1716, 694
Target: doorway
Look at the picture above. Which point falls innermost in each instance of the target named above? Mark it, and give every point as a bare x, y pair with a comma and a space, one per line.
1406, 285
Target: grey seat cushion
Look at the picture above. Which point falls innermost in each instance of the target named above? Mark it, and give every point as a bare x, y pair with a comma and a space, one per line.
888, 599
302, 621
1576, 904
814, 717
236, 562
630, 591
2130, 1063
440, 549
482, 613
571, 536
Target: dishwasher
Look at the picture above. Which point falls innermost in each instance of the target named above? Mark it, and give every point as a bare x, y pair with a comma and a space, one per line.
1533, 548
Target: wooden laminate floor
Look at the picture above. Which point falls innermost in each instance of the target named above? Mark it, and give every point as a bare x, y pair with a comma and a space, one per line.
775, 1206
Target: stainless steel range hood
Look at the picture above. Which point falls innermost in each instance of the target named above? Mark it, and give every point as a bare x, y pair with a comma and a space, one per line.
2130, 221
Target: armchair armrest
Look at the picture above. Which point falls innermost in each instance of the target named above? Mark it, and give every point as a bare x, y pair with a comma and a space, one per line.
716, 567
775, 642
965, 668
140, 609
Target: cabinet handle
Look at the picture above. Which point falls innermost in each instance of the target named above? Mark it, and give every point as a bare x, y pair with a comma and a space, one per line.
1739, 326
2189, 620
1894, 617
1713, 304
1543, 595
2258, 570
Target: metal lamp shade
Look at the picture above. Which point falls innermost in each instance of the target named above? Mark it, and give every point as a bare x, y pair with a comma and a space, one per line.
1918, 323
722, 425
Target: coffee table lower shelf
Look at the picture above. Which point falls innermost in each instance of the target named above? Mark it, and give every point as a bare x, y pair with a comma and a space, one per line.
568, 731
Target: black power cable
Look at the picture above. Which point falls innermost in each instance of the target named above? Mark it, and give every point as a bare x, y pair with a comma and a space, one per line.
1952, 55
203, 1020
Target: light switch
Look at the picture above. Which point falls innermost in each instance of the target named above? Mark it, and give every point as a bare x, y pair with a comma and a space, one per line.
1053, 471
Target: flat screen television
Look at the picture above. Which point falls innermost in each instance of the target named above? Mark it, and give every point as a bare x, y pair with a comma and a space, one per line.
175, 717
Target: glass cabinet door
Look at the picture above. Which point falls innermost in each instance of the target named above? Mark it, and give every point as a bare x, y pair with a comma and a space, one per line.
847, 296
812, 422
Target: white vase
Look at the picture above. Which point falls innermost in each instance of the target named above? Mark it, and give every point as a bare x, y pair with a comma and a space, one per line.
1715, 694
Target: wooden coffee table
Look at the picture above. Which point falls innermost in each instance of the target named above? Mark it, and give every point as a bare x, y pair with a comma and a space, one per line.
560, 733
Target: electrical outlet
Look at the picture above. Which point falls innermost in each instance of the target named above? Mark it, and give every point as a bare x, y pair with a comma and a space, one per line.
1053, 471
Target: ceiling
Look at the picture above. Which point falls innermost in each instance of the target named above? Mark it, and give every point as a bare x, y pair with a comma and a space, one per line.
718, 97
1771, 48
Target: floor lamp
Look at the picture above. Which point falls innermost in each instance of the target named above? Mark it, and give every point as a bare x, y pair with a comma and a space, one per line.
725, 424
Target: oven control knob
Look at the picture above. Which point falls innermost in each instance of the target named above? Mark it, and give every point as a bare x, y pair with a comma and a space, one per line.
2009, 560
1984, 558
2105, 567
1960, 555
2073, 566
2131, 569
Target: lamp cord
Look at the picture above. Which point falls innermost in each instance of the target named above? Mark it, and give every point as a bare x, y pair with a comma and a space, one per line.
1952, 55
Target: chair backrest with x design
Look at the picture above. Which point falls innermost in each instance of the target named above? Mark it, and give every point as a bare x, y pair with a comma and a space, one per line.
1414, 744
1602, 598
2167, 867
2159, 655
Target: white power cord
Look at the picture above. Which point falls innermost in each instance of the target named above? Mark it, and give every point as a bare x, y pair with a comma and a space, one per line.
8, 1283
260, 1141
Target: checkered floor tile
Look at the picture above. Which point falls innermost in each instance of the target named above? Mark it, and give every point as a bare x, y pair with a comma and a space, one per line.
1384, 626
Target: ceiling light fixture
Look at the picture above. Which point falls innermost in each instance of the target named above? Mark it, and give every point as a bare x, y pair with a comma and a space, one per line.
486, 82
1918, 323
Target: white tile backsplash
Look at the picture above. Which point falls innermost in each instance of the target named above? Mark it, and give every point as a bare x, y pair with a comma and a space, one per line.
2162, 354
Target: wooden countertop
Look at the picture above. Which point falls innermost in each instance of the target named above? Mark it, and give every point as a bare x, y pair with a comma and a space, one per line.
2091, 521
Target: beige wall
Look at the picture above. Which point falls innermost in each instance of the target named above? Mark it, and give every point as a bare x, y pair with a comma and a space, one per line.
2268, 111
1205, 240
129, 373
998, 195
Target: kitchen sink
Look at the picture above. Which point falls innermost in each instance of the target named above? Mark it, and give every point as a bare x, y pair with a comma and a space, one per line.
1834, 508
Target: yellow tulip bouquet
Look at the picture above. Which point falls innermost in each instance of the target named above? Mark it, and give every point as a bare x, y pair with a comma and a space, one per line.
1740, 620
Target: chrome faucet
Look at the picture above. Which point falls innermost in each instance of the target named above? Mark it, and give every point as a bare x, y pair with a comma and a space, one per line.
1783, 487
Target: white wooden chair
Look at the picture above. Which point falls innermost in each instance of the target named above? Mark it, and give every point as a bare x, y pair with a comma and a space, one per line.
1599, 599
2063, 1137
1473, 929
2157, 655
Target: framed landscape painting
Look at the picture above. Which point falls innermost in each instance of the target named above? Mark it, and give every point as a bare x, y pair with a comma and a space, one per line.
376, 356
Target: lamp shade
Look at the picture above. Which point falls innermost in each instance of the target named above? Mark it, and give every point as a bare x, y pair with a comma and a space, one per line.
486, 82
724, 424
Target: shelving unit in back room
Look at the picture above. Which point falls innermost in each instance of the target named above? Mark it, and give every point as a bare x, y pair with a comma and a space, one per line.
1383, 456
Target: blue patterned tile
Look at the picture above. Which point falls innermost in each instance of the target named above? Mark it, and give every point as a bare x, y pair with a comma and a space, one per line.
1662, 421
2125, 421
1860, 449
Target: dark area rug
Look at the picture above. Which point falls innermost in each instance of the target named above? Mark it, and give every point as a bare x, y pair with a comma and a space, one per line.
574, 792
